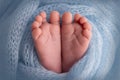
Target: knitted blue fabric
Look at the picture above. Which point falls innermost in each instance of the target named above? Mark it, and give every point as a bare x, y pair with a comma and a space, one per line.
18, 58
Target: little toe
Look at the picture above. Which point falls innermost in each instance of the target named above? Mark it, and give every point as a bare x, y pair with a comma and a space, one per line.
35, 24
36, 33
77, 17
54, 17
38, 18
43, 15
67, 18
87, 34
87, 26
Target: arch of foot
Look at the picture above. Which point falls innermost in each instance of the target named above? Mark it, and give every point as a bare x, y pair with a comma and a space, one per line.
29, 64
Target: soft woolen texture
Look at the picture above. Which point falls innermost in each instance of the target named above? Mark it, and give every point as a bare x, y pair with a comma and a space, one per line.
18, 58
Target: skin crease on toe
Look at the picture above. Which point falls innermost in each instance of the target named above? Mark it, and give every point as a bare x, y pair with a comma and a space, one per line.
65, 19
54, 17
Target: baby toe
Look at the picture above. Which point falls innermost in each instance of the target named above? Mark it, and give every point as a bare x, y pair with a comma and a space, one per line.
87, 34
67, 18
77, 17
38, 18
87, 26
83, 20
54, 17
43, 15
36, 33
35, 24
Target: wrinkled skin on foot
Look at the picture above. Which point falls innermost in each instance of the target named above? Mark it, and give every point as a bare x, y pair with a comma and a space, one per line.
47, 40
71, 41
75, 37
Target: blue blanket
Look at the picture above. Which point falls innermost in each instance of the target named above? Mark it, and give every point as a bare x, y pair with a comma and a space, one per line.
18, 59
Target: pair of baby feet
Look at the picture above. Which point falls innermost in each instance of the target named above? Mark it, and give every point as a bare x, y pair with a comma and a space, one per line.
58, 48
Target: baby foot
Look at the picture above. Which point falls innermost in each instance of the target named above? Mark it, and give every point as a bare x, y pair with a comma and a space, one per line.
47, 41
75, 36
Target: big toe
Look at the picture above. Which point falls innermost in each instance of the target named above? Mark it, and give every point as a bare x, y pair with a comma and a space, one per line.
54, 17
67, 18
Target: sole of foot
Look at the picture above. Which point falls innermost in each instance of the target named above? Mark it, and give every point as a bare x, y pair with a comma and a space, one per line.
76, 35
47, 41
